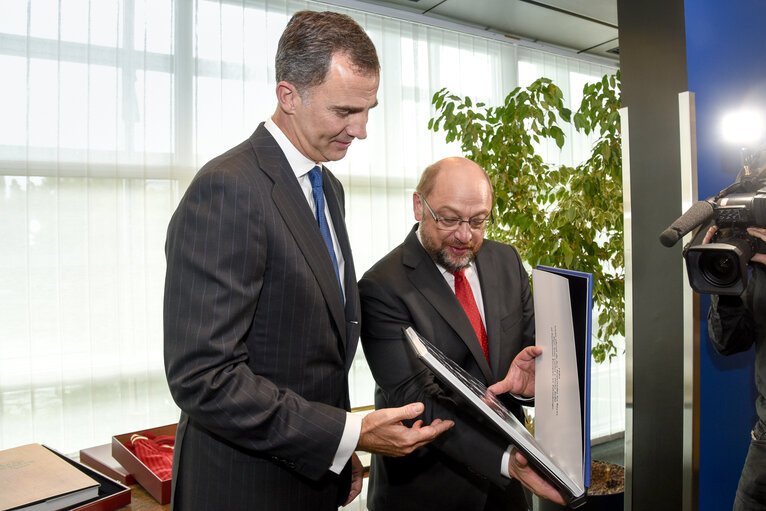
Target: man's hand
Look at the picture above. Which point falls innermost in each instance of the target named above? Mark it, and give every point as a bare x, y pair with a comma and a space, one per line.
756, 232
357, 473
709, 234
384, 433
518, 468
520, 379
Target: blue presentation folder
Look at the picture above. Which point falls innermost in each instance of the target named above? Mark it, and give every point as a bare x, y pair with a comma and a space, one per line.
581, 299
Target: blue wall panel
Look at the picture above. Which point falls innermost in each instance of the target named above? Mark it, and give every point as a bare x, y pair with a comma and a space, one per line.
726, 65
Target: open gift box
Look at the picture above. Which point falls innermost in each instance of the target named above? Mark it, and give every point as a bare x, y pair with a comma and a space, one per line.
100, 458
157, 487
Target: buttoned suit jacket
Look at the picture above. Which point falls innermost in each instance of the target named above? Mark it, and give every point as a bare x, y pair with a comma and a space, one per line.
258, 339
461, 469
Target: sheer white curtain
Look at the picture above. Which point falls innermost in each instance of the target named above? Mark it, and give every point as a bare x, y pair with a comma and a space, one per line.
108, 109
607, 378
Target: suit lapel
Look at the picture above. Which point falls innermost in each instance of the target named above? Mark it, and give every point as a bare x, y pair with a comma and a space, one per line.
295, 211
492, 296
427, 279
333, 195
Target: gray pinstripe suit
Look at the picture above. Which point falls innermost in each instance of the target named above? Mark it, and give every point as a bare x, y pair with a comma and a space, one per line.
258, 342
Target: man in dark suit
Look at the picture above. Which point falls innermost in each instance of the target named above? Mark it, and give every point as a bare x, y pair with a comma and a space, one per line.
735, 323
261, 303
471, 298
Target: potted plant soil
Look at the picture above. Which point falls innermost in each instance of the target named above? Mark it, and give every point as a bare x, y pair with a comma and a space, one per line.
606, 491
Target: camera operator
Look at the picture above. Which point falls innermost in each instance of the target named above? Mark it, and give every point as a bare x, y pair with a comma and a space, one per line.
734, 324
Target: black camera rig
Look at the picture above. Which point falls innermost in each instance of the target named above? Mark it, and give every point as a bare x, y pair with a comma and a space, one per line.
721, 266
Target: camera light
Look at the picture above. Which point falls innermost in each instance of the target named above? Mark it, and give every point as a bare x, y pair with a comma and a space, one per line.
742, 127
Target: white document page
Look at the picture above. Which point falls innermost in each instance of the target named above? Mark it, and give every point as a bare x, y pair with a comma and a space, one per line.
558, 418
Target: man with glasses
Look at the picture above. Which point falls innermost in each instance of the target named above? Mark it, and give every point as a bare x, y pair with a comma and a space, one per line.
471, 298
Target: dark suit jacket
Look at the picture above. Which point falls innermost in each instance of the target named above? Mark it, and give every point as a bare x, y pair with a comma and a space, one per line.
258, 341
461, 469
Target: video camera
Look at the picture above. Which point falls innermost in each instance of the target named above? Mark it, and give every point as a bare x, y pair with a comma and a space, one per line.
721, 266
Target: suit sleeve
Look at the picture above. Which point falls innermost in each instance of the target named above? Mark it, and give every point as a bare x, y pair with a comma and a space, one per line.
216, 258
404, 379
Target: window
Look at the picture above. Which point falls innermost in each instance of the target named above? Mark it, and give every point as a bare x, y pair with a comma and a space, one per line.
109, 108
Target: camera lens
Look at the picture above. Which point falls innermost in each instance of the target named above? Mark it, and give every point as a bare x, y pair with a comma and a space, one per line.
719, 268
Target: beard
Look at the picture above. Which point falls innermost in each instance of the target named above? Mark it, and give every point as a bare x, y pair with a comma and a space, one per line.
443, 257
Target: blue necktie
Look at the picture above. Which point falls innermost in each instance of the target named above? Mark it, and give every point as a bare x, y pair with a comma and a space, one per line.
315, 176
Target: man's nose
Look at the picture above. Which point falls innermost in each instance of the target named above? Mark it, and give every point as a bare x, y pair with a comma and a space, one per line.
463, 232
358, 127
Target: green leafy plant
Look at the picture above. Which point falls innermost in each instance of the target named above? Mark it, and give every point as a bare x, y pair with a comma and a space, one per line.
555, 215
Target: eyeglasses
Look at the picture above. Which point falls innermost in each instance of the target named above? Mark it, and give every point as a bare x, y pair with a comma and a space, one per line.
449, 223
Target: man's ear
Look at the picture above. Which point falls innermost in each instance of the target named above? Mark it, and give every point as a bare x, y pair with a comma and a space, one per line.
287, 97
417, 206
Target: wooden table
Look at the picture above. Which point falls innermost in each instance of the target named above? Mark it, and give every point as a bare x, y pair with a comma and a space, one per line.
142, 501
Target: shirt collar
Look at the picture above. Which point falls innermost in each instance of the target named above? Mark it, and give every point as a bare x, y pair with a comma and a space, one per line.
298, 162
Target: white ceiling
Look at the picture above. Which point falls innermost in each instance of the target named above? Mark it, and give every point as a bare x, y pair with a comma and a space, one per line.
586, 27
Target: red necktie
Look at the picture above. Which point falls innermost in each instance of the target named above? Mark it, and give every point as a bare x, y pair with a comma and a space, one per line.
465, 297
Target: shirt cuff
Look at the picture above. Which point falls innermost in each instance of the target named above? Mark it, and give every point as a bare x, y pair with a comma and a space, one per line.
348, 442
522, 399
504, 462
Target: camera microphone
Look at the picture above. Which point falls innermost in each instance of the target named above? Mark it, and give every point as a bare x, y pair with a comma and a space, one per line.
699, 213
